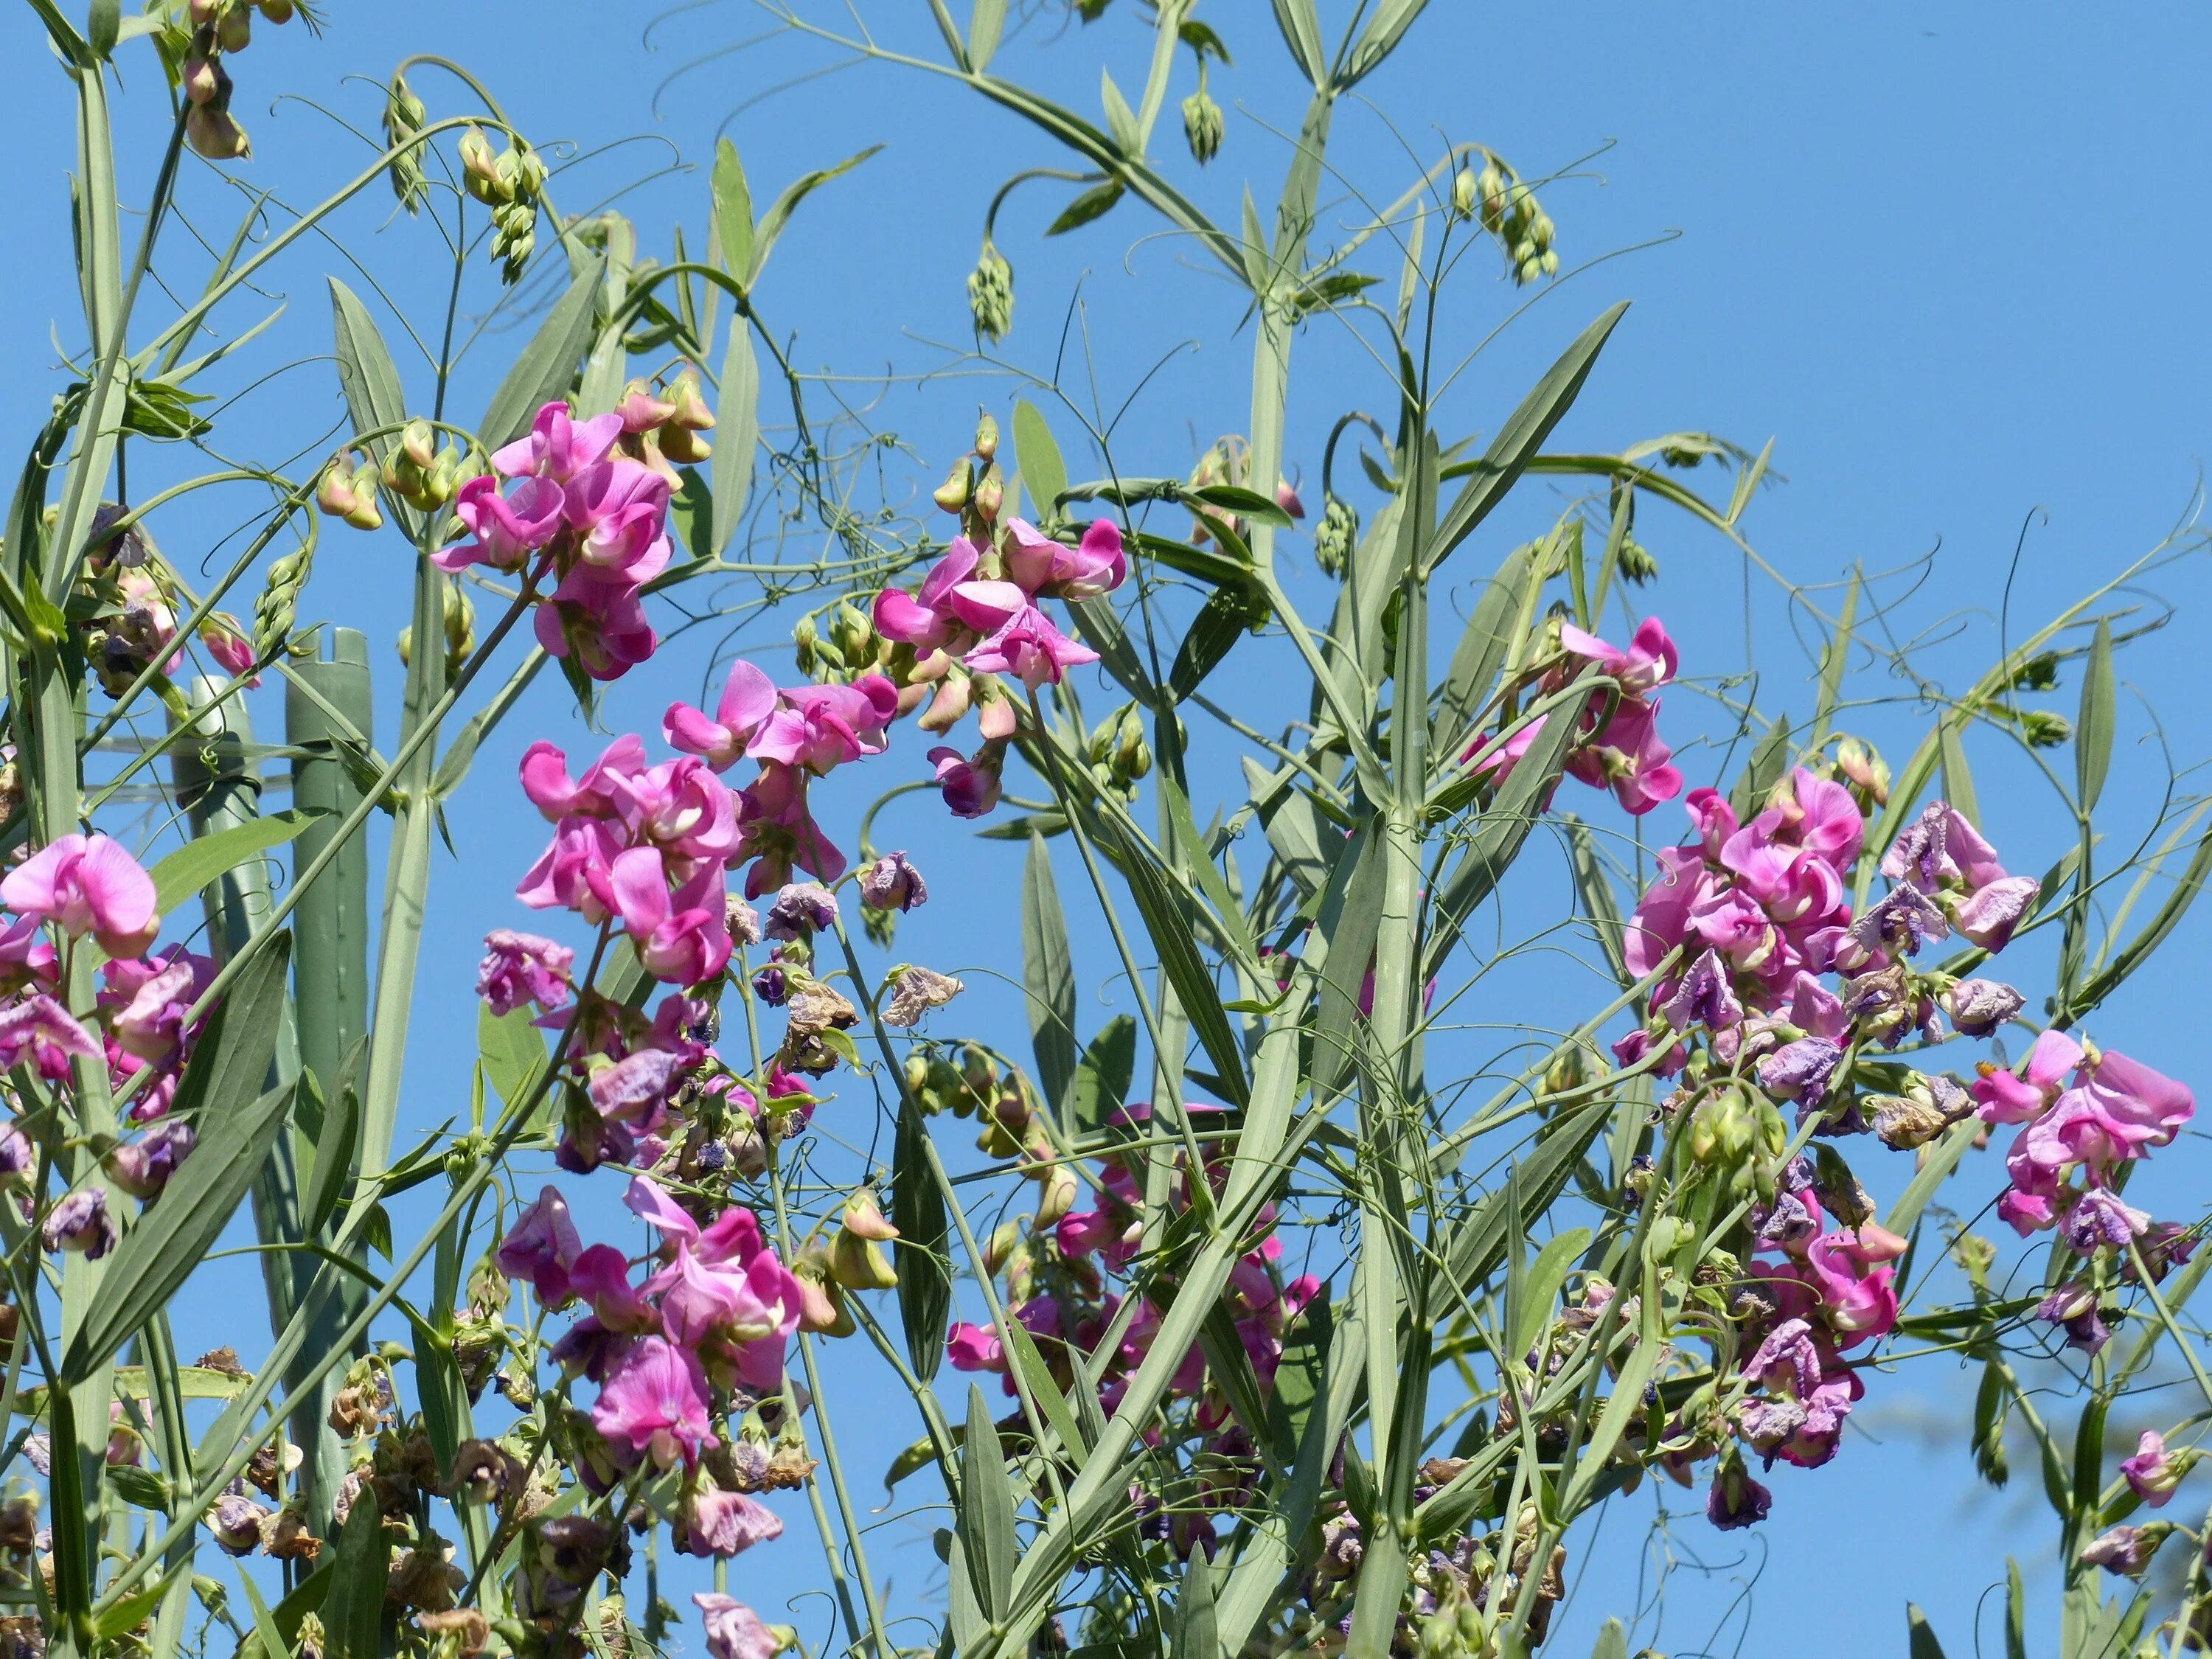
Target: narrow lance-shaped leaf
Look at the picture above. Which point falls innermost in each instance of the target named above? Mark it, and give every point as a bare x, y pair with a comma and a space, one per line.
547, 365
733, 211
374, 395
1517, 441
1958, 779
1048, 974
180, 876
779, 211
1044, 475
218, 1096
739, 420
985, 24
925, 1279
986, 1512
2093, 729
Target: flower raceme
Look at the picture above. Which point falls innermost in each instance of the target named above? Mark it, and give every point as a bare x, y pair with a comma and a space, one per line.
1621, 752
564, 505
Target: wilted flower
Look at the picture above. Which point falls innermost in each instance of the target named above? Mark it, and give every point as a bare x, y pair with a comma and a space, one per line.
80, 1223
914, 991
892, 882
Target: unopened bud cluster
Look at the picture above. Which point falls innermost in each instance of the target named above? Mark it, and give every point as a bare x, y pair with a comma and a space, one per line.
991, 294
213, 30
403, 117
507, 183
1496, 199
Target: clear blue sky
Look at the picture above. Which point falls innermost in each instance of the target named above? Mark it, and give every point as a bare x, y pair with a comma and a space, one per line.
1949, 258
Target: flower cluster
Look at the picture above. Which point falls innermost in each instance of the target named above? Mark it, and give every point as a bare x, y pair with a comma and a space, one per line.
1621, 752
79, 888
581, 504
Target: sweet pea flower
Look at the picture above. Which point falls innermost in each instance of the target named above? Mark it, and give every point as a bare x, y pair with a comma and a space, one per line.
1705, 997
1661, 919
1048, 568
520, 968
682, 936
1628, 758
143, 1167
619, 509
601, 624
2151, 1474
157, 994
1028, 646
892, 882
820, 727
925, 619
722, 1524
41, 1029
1979, 1007
970, 787
222, 638
2123, 1550
79, 1223
974, 1348
733, 1631
575, 871
87, 884
557, 447
2003, 1098
599, 794
2098, 1218
749, 698
1649, 662
802, 909
1988, 915
600, 1275
1735, 1499
542, 1247
777, 831
683, 809
653, 1405
2074, 1305
508, 529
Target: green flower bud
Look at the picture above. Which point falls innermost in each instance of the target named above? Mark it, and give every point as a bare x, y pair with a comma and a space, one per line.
2045, 728
1638, 566
990, 497
404, 116
991, 295
952, 494
986, 436
802, 645
480, 174
1202, 125
1466, 192
1334, 536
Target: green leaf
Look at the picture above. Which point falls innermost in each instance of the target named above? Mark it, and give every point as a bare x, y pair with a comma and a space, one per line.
738, 422
510, 1050
1166, 921
1301, 26
985, 24
1048, 975
1195, 1636
1301, 841
1769, 756
126, 1614
1377, 41
925, 1275
1351, 917
1029, 1360
1121, 120
1103, 1076
217, 1096
180, 876
1043, 474
1539, 1287
1951, 758
1224, 619
1611, 1641
371, 385
1518, 439
779, 211
986, 1512
1482, 651
2092, 728
2015, 1611
733, 212
547, 366
1922, 1642
353, 1607
338, 1144
273, 1644
1244, 503
1090, 204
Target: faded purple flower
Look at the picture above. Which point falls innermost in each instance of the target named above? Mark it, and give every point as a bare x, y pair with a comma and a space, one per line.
80, 1222
522, 968
892, 882
1979, 1007
1705, 997
801, 909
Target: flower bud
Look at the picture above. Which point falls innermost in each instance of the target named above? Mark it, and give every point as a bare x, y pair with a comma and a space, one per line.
2045, 728
990, 497
999, 1247
1057, 1191
857, 1265
1636, 563
991, 295
215, 135
480, 175
986, 436
234, 31
864, 1217
1202, 126
276, 12
418, 442
952, 493
1132, 757
691, 412
1335, 535
1466, 191
204, 80
802, 645
1866, 769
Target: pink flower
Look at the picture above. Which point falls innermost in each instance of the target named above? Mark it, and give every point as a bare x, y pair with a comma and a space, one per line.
522, 968
150, 1025
653, 1405
822, 727
142, 1168
80, 1223
39, 1029
970, 787
617, 509
1662, 920
87, 885
558, 447
2150, 1474
974, 1348
222, 638
507, 528
748, 697
733, 1630
681, 807
1649, 662
1045, 567
573, 873
601, 624
1989, 914
2005, 1098
600, 1274
541, 1247
727, 1523
1027, 645
1628, 758
925, 619
780, 832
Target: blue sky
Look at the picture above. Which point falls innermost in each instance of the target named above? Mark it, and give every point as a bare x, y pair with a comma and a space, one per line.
1948, 258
